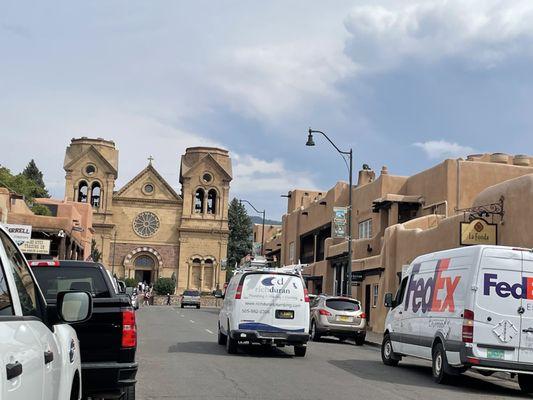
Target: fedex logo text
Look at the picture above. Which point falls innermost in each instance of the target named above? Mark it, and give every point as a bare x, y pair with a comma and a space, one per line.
522, 290
425, 293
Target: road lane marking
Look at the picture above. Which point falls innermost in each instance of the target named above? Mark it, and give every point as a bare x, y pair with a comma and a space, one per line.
192, 322
208, 331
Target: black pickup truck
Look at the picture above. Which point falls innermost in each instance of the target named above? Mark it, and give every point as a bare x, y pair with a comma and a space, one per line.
108, 340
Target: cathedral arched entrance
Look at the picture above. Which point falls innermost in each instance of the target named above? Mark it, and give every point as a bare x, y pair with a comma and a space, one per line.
143, 264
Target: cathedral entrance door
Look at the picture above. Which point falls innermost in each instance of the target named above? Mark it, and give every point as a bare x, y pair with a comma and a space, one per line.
143, 276
144, 268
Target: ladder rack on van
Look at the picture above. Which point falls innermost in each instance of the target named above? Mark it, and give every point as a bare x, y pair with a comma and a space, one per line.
259, 267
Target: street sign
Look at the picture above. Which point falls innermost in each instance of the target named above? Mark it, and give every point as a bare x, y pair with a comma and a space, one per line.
357, 276
340, 222
19, 233
36, 246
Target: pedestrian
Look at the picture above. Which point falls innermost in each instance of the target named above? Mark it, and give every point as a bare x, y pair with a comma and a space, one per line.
168, 299
147, 296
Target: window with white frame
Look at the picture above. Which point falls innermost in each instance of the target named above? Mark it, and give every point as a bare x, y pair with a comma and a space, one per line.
375, 295
291, 252
365, 229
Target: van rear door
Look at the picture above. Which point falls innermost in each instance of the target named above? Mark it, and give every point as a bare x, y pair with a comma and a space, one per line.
526, 327
273, 303
497, 303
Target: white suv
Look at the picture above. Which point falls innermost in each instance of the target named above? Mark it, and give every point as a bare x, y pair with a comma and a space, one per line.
39, 352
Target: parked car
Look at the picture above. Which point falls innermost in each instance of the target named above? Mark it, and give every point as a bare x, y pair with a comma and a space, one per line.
265, 306
39, 351
341, 317
465, 308
109, 338
191, 298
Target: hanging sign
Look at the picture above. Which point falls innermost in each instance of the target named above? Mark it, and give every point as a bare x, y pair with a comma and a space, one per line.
340, 222
478, 231
36, 246
19, 233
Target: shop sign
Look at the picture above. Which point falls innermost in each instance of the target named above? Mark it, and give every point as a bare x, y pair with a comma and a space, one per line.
19, 233
357, 276
478, 231
36, 246
340, 222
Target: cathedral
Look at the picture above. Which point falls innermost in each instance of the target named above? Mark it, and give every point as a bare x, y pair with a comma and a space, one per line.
145, 230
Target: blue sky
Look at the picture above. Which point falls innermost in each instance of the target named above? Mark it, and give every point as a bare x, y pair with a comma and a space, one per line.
405, 83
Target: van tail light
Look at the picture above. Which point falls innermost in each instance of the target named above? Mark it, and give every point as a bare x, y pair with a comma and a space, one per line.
468, 326
324, 312
238, 293
362, 316
306, 295
129, 329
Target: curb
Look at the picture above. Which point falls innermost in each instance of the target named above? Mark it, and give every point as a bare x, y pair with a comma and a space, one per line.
372, 344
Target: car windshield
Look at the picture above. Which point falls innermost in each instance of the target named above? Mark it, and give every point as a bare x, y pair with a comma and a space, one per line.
191, 293
343, 305
53, 280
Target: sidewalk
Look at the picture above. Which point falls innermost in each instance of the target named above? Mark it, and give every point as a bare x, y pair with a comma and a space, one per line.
374, 339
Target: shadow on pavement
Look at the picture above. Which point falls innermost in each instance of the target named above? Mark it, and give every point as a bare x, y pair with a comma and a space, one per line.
212, 348
420, 375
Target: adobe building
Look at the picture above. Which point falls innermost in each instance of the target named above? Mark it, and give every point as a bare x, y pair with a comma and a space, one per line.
145, 230
397, 218
65, 234
257, 235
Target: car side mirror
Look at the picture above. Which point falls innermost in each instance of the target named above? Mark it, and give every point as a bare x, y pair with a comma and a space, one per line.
389, 301
74, 307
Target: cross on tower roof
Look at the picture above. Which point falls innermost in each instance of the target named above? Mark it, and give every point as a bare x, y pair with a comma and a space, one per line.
150, 159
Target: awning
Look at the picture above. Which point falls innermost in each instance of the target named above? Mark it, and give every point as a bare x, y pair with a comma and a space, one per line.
386, 201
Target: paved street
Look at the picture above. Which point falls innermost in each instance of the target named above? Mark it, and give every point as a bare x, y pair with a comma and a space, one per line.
178, 351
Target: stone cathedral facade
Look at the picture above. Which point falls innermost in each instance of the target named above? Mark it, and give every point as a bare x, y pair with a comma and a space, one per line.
145, 230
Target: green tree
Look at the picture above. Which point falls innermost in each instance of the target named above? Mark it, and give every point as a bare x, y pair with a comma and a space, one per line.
240, 233
34, 174
22, 185
164, 285
96, 254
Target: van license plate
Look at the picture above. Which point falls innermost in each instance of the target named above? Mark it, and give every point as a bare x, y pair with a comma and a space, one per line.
343, 318
498, 354
284, 314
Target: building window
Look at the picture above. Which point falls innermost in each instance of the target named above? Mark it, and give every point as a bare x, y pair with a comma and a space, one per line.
207, 177
148, 188
212, 201
146, 224
375, 295
90, 169
291, 252
365, 229
83, 190
144, 261
199, 201
95, 195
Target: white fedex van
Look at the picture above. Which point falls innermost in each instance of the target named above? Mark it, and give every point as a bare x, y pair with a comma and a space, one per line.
268, 306
470, 307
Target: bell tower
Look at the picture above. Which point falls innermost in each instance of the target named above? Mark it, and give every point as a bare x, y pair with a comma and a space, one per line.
205, 176
91, 167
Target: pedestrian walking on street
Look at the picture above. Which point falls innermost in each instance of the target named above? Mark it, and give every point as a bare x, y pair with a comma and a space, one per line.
168, 299
146, 301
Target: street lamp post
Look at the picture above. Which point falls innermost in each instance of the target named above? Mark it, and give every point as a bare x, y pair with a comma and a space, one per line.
311, 142
263, 229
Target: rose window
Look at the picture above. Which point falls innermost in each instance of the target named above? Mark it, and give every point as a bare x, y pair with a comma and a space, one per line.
146, 224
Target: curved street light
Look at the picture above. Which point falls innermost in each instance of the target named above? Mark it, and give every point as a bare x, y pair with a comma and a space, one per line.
349, 153
263, 229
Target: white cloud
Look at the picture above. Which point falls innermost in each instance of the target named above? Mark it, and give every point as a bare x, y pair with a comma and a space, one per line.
273, 80
482, 32
440, 149
252, 175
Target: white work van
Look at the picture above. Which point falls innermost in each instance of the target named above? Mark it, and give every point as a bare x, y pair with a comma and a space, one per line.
39, 352
470, 307
268, 306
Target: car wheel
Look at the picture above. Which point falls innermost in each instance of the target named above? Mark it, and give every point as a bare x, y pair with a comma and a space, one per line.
526, 383
231, 345
182, 306
440, 364
129, 393
387, 353
221, 337
299, 351
360, 340
198, 307
315, 336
